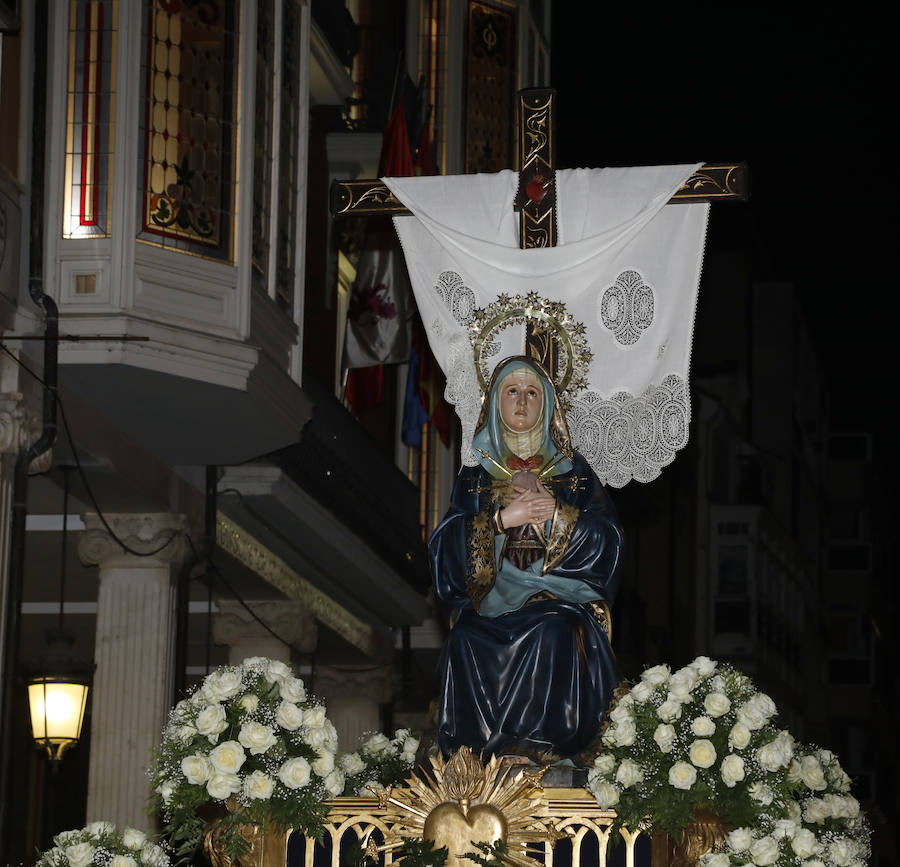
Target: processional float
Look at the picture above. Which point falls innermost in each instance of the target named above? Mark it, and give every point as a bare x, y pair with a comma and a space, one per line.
609, 319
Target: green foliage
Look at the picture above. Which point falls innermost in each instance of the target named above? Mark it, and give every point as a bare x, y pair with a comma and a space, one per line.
492, 854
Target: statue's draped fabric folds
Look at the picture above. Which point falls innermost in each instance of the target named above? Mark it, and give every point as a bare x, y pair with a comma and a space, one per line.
527, 667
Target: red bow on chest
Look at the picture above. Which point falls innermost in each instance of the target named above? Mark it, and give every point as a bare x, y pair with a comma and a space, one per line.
515, 463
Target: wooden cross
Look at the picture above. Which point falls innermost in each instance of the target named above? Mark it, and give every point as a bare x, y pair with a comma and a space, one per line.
535, 200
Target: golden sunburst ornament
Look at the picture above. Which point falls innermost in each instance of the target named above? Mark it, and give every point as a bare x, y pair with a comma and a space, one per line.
550, 317
467, 803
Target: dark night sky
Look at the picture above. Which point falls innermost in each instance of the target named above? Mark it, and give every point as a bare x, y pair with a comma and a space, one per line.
806, 103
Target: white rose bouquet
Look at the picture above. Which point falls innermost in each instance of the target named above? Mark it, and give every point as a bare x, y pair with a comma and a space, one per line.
251, 738
379, 762
101, 844
822, 826
704, 738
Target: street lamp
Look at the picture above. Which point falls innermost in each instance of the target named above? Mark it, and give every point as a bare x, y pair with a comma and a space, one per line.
57, 704
59, 684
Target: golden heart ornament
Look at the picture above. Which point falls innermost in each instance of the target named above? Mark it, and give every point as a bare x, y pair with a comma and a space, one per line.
448, 826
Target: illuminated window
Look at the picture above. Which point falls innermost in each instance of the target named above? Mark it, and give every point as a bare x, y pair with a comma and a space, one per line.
89, 118
262, 141
188, 134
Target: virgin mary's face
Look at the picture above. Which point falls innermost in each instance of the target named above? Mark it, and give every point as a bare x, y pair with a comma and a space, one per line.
521, 400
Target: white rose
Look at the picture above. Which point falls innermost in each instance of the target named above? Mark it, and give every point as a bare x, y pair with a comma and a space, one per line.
211, 721
369, 788
607, 794
682, 775
79, 855
641, 691
811, 774
815, 862
64, 838
717, 684
249, 702
605, 763
732, 770
221, 685
841, 806
227, 757
682, 683
629, 773
376, 744
122, 861
132, 838
715, 859
804, 843
625, 733
717, 704
664, 737
411, 745
352, 764
294, 773
276, 671
702, 753
322, 737
703, 727
756, 711
794, 812
842, 851
257, 737
334, 783
165, 790
154, 855
323, 765
184, 734
99, 829
292, 689
195, 769
289, 716
656, 675
815, 810
764, 851
669, 710
704, 665
774, 755
761, 793
620, 713
220, 786
739, 839
784, 828
314, 717
739, 736
258, 786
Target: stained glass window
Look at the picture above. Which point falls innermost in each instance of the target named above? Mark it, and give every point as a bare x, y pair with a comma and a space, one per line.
262, 147
188, 136
287, 157
89, 118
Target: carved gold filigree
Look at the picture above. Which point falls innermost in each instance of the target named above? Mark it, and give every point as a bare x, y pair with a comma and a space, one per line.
574, 353
466, 802
706, 833
253, 554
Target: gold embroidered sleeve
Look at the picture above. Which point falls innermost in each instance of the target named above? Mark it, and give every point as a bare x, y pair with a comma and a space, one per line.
480, 559
565, 517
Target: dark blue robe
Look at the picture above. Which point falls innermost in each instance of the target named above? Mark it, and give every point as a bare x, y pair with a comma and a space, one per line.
537, 679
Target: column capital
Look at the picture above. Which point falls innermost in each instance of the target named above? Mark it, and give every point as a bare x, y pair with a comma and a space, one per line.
161, 533
291, 621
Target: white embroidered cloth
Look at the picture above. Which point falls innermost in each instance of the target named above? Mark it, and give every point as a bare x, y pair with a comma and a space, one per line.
625, 267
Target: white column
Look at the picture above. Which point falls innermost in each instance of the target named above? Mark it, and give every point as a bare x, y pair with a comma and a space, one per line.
133, 652
353, 696
245, 636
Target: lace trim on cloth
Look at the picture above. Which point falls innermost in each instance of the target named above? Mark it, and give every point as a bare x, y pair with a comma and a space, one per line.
463, 393
626, 308
481, 570
627, 437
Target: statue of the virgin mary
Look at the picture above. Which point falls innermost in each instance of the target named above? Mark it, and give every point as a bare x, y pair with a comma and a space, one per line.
526, 561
